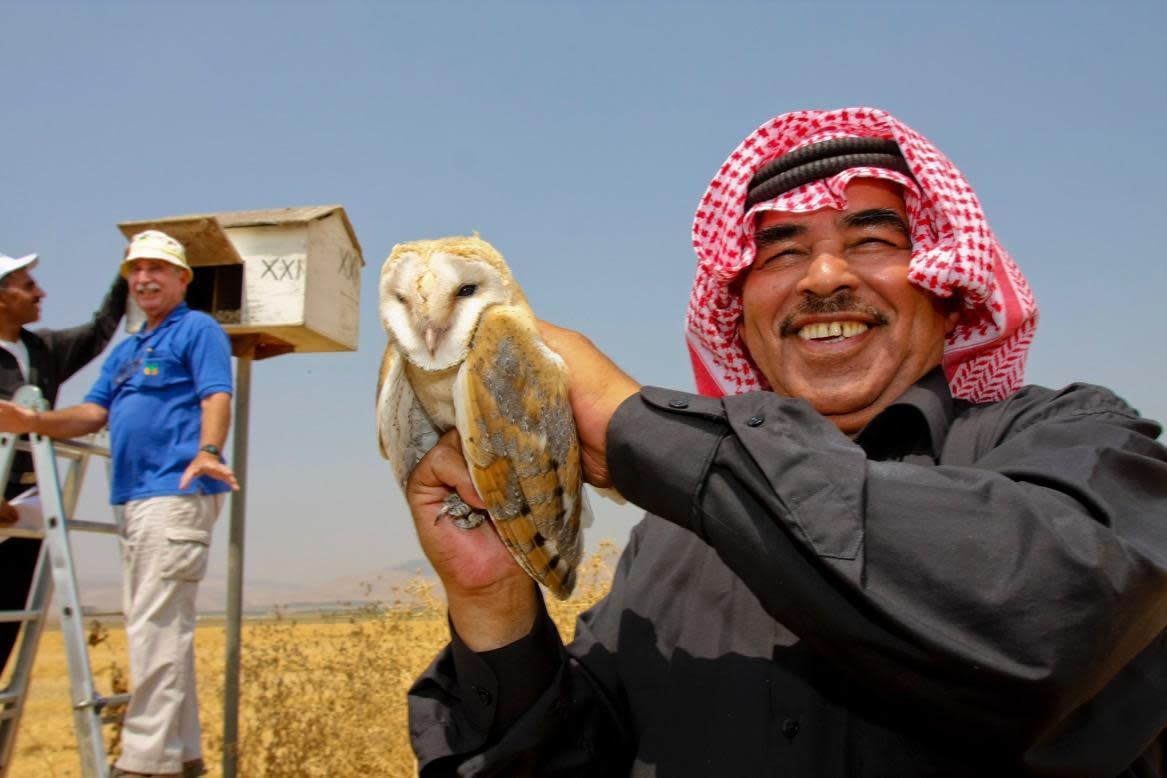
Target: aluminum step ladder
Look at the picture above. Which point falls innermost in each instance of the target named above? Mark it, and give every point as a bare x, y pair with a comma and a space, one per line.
55, 569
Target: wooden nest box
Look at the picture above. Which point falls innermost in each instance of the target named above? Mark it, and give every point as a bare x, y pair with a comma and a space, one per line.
278, 281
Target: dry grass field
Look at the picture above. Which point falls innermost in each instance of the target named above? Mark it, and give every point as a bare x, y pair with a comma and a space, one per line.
320, 697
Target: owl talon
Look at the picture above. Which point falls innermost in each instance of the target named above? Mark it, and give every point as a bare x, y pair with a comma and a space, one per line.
469, 522
463, 516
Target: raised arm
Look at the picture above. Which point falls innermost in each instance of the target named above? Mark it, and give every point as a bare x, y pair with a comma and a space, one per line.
504, 692
1004, 590
73, 348
598, 386
506, 661
492, 601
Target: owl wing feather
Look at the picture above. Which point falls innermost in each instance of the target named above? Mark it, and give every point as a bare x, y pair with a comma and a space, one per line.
404, 430
519, 439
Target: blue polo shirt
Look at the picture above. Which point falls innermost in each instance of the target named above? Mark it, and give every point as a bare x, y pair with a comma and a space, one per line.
153, 384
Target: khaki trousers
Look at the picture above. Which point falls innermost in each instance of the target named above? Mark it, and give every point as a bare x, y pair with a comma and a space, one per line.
165, 544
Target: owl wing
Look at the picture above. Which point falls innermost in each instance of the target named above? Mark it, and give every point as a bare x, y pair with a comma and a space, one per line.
404, 430
519, 439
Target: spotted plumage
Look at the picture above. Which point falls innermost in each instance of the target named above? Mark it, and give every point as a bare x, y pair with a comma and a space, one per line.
464, 351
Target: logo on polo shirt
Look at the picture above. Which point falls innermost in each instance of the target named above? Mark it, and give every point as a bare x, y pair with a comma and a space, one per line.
150, 368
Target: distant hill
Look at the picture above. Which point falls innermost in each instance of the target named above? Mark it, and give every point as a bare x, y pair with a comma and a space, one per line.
380, 585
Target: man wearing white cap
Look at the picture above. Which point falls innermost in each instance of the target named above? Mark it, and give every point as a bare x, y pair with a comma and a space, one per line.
45, 358
870, 549
166, 393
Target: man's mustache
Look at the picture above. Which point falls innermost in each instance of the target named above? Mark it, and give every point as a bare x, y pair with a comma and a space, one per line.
147, 286
842, 301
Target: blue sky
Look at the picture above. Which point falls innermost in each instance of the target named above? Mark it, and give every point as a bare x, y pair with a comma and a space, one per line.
576, 137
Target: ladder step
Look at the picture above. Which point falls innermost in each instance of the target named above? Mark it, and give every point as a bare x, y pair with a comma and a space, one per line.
79, 448
7, 617
100, 703
22, 532
69, 449
101, 527
73, 525
89, 612
7, 697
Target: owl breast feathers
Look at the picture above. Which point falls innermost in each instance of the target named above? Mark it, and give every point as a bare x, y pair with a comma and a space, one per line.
464, 352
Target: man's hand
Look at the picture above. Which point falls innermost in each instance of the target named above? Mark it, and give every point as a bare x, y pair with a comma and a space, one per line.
16, 418
208, 464
598, 386
71, 422
492, 601
8, 514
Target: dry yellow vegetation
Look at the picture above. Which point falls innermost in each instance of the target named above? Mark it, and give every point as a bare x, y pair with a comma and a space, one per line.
320, 697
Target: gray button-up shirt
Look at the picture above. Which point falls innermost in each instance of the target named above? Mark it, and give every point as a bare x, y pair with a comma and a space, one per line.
962, 590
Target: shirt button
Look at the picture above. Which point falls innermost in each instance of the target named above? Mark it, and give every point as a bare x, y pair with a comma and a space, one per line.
484, 695
756, 421
678, 403
790, 728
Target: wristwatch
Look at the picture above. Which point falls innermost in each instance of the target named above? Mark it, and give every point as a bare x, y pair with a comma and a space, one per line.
213, 450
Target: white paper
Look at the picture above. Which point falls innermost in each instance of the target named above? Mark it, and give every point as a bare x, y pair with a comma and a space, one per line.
28, 508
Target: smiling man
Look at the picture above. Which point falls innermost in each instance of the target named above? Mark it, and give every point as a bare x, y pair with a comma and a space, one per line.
853, 333
870, 550
166, 393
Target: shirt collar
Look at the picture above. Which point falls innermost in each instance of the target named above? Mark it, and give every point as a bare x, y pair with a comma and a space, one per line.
927, 407
179, 310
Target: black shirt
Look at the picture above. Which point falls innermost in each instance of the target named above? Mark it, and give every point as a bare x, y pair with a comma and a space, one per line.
963, 590
53, 357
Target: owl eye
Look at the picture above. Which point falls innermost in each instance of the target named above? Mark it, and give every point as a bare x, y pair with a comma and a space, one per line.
467, 289
401, 299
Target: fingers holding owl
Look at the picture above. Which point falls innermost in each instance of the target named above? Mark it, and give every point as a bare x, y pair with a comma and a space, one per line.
492, 601
464, 352
597, 388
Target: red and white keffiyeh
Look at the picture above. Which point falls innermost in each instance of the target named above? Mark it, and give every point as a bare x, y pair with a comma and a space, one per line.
954, 252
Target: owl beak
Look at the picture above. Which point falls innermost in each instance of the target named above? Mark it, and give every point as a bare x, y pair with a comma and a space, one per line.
431, 338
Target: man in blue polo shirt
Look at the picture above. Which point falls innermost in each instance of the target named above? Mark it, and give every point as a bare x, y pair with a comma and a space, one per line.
166, 393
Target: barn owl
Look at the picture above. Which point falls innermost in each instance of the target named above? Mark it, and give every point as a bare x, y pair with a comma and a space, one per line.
464, 352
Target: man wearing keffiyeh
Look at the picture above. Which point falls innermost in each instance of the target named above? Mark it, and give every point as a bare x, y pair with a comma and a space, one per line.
870, 550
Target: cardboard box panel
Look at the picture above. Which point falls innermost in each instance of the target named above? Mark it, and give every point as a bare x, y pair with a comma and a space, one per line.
287, 278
